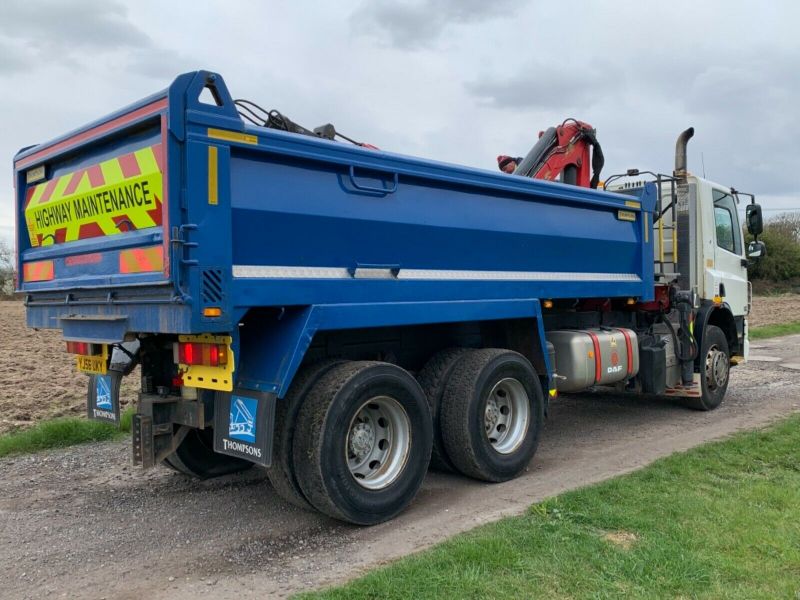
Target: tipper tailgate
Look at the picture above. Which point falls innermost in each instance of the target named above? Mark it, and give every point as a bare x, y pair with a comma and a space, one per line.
92, 205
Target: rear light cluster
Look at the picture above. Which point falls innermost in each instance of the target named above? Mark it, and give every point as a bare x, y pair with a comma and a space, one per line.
85, 348
196, 353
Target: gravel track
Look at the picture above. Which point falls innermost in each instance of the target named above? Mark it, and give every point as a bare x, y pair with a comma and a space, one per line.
83, 523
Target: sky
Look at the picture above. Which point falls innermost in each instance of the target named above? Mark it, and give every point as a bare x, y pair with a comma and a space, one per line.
455, 80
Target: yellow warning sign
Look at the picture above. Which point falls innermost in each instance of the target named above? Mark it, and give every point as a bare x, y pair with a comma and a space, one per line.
115, 196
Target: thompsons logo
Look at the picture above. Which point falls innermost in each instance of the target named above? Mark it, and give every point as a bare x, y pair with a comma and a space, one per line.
103, 397
242, 423
241, 448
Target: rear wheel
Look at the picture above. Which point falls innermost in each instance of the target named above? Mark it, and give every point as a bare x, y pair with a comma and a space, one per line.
492, 414
362, 442
715, 363
281, 474
433, 379
195, 457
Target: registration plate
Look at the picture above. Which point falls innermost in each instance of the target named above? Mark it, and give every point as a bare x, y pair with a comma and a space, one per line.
94, 365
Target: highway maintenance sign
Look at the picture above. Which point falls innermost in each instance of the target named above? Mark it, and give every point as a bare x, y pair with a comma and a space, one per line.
115, 196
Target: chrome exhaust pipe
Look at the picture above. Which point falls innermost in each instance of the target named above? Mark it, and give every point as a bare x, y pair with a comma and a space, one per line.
680, 153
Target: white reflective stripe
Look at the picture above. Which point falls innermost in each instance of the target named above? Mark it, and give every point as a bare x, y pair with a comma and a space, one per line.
271, 272
265, 272
513, 275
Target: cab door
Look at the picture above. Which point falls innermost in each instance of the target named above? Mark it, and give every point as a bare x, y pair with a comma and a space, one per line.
729, 271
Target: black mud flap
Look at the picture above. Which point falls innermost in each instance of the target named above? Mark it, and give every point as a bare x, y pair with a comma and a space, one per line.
102, 399
244, 423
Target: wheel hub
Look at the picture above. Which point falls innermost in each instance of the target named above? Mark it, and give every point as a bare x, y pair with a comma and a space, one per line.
492, 415
362, 438
716, 368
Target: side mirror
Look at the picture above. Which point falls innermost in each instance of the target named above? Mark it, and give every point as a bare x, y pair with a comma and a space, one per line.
755, 222
756, 250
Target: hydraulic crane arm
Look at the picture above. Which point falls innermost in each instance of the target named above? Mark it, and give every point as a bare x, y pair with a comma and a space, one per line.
564, 152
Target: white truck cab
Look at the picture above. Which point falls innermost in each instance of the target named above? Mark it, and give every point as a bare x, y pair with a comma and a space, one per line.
699, 245
721, 260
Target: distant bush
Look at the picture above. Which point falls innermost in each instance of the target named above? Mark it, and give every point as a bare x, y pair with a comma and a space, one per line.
6, 272
782, 238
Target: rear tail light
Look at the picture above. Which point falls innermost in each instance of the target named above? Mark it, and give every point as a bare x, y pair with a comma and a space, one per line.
85, 348
196, 353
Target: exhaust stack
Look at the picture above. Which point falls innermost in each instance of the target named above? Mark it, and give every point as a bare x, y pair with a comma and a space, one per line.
680, 153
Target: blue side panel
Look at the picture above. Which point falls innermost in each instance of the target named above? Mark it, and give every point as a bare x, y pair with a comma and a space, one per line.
309, 203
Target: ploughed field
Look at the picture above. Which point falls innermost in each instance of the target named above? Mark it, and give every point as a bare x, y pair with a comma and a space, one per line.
38, 379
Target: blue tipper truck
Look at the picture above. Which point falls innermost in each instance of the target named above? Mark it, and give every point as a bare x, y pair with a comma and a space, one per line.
344, 316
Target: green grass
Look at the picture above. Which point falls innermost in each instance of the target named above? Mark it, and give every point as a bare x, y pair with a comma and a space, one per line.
719, 521
768, 331
57, 433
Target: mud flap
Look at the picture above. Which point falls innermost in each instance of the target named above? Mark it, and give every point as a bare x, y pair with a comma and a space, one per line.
102, 399
244, 422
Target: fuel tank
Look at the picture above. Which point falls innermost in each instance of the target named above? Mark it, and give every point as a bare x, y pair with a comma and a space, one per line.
589, 357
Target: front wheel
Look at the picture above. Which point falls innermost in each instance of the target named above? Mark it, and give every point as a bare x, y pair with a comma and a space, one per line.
715, 363
362, 442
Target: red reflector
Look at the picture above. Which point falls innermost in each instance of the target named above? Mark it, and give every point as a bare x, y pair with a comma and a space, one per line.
43, 270
83, 259
141, 260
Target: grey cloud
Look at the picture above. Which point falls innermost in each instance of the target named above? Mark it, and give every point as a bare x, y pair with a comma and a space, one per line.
67, 33
411, 25
158, 63
750, 107
99, 24
741, 103
543, 86
12, 58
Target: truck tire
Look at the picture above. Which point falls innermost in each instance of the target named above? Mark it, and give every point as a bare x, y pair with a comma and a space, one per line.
491, 414
363, 442
281, 474
196, 458
715, 363
433, 379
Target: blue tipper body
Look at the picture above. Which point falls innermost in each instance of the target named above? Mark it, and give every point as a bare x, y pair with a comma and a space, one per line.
329, 235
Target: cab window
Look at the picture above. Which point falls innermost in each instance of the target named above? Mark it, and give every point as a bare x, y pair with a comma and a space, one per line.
729, 236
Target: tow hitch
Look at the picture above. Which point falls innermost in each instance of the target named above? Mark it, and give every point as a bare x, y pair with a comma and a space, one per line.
161, 424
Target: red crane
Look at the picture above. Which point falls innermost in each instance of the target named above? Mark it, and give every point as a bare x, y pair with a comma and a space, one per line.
563, 154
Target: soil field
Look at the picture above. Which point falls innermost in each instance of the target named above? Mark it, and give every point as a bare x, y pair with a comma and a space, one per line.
38, 379
775, 310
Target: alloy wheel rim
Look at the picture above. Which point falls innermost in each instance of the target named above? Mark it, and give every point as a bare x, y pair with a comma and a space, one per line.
507, 415
717, 368
378, 442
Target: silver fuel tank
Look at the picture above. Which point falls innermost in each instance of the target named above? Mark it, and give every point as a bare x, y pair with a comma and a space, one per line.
588, 357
